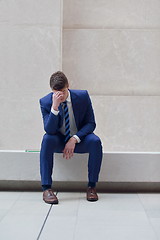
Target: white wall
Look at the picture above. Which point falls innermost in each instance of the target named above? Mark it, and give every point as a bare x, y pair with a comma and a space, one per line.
112, 48
30, 51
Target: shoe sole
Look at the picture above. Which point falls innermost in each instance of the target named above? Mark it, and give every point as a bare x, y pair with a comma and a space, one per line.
92, 200
56, 202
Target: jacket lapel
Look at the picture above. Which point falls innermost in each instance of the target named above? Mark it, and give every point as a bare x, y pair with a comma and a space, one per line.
75, 107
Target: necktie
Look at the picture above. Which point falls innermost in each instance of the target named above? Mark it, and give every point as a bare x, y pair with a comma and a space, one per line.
67, 125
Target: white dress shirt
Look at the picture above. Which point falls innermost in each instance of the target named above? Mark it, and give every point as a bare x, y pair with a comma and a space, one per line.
73, 128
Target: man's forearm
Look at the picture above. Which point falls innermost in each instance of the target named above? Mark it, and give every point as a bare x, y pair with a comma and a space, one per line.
51, 123
85, 130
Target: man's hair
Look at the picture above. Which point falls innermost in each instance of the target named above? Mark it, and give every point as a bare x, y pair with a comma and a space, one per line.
58, 81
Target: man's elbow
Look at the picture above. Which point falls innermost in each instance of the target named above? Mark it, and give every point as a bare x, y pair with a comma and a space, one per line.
49, 131
93, 125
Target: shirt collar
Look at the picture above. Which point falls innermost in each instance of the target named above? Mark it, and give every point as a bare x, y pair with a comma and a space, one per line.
68, 99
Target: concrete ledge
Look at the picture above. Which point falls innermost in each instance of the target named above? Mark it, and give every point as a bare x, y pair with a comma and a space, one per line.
122, 171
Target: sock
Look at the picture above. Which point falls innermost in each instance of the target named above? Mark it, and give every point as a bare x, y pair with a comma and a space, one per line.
91, 184
46, 187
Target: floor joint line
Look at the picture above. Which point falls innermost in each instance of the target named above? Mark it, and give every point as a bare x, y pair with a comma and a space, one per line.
45, 220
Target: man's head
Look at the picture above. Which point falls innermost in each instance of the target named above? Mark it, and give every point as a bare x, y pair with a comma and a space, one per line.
59, 82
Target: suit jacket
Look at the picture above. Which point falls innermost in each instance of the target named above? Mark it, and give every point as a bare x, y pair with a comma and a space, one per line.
82, 110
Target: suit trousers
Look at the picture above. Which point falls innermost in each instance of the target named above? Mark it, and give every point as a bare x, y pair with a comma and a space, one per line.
55, 144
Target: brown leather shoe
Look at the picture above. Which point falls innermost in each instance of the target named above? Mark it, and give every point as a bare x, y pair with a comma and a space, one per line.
91, 194
50, 197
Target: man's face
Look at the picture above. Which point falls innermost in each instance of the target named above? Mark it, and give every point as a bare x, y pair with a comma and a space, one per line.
64, 93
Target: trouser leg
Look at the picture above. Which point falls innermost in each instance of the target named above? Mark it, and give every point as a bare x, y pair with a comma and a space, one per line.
92, 145
50, 144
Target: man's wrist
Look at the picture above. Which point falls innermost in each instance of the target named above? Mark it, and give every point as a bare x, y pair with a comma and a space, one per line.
55, 112
55, 107
74, 139
77, 138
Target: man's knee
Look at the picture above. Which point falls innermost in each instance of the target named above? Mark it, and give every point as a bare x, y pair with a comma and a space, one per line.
94, 140
50, 139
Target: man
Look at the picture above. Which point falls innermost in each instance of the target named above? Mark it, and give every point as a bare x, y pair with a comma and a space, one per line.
69, 124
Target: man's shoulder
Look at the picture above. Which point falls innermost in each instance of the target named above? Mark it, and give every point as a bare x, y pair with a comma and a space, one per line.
80, 96
47, 98
78, 92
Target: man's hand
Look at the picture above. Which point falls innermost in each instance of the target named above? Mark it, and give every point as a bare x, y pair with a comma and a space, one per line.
69, 148
57, 99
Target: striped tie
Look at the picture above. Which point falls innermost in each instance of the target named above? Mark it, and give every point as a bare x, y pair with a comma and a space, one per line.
67, 125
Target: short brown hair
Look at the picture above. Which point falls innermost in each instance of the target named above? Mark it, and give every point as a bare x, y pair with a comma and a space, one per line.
58, 81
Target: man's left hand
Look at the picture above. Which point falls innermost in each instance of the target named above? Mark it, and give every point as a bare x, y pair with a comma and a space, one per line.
69, 148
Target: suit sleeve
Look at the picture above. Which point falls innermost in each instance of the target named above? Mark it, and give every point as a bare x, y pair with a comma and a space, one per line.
89, 120
50, 120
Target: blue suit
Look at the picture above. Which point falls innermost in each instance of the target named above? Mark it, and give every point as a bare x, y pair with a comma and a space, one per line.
53, 140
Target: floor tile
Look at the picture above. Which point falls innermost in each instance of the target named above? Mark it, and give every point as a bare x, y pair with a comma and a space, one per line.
24, 219
113, 233
7, 201
114, 210
63, 217
156, 226
9, 195
125, 202
151, 204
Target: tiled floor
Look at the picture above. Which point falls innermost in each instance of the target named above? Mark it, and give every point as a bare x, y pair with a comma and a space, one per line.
24, 216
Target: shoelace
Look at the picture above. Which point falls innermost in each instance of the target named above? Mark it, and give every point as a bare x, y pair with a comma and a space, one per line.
92, 191
50, 193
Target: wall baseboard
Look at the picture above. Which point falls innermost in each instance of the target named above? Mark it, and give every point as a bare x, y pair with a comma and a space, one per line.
104, 187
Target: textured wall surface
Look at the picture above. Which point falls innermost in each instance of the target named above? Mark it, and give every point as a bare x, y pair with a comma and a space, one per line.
111, 14
128, 123
30, 50
112, 48
113, 62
